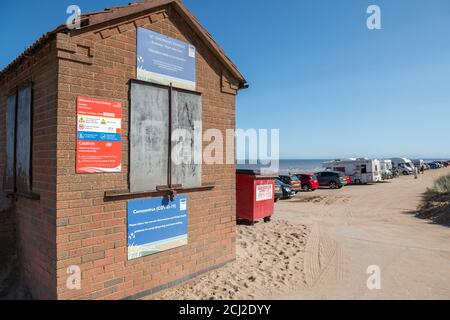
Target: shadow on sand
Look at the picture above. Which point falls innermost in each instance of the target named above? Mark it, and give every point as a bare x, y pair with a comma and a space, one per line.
434, 207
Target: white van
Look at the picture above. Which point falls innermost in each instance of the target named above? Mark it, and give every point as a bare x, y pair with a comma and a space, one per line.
361, 171
386, 169
403, 166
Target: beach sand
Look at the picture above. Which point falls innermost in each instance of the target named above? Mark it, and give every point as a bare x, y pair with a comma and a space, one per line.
339, 235
270, 259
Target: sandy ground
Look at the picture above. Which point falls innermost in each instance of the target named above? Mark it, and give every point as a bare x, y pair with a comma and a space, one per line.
270, 259
348, 231
374, 225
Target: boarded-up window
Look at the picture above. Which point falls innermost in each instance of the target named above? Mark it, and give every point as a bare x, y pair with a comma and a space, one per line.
151, 150
23, 140
186, 138
149, 137
10, 144
18, 141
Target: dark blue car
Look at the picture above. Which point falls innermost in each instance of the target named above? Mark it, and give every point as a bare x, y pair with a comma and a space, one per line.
433, 165
288, 192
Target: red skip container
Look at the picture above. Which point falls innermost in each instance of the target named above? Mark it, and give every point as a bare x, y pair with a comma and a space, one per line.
255, 193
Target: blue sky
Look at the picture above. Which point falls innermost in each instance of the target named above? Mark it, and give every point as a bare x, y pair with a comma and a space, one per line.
333, 87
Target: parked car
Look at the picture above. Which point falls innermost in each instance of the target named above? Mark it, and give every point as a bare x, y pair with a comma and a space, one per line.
293, 181
434, 165
443, 164
287, 190
334, 180
278, 192
309, 181
349, 180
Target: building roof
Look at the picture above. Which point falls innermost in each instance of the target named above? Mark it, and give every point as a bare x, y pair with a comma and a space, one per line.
94, 19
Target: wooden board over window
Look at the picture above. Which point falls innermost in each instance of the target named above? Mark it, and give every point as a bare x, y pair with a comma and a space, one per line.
23, 140
186, 146
156, 160
149, 137
10, 144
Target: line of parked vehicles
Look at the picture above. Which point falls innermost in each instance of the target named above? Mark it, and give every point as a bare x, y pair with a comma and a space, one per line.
341, 172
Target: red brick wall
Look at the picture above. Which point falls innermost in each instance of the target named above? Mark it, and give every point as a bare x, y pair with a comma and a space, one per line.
35, 219
3, 97
91, 233
7, 238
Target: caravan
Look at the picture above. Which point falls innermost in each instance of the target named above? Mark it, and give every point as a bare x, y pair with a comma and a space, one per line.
403, 166
361, 171
386, 169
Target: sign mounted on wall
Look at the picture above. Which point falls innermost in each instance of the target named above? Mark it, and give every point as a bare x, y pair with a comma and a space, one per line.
99, 142
156, 225
165, 60
264, 192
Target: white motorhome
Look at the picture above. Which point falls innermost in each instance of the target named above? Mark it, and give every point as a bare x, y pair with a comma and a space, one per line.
403, 166
386, 169
361, 171
418, 163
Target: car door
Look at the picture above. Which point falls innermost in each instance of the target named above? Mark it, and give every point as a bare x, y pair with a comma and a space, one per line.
328, 177
320, 177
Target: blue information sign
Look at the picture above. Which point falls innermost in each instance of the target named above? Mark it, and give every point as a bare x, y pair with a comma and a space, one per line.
165, 60
156, 225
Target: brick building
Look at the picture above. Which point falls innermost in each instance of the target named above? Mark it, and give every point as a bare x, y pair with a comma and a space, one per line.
63, 218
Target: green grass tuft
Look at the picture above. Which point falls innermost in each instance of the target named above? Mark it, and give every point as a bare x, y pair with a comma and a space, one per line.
441, 186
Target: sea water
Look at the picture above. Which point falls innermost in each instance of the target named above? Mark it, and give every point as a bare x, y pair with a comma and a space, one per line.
288, 166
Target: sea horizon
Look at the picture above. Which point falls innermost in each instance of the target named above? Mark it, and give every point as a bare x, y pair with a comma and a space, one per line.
297, 165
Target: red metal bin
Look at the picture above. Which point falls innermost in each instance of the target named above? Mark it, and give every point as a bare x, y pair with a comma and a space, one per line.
255, 194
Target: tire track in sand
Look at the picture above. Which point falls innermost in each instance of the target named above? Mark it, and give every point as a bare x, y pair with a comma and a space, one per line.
324, 258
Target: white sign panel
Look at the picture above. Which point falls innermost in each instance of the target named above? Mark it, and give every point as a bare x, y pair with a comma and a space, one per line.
264, 192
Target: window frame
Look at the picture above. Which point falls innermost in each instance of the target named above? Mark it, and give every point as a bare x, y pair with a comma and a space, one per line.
169, 186
14, 191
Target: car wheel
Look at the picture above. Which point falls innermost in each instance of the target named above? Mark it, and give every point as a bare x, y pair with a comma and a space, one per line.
306, 188
333, 185
405, 173
267, 219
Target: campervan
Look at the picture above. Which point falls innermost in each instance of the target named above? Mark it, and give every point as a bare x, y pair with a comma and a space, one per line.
403, 166
386, 169
361, 171
418, 163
